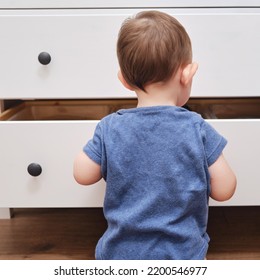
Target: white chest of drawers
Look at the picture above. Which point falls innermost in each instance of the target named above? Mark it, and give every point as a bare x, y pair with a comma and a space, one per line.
79, 38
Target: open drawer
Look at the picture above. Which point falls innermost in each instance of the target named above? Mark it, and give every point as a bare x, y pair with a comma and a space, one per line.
238, 120
50, 133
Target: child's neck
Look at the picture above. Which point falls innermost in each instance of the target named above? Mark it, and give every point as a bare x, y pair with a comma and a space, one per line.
157, 96
143, 102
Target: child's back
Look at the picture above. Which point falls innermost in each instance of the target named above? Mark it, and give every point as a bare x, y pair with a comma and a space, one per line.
155, 161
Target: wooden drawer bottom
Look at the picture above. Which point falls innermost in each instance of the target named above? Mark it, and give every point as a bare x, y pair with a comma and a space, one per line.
209, 108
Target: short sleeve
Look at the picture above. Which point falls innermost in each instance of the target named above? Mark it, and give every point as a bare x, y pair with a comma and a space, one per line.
94, 146
214, 143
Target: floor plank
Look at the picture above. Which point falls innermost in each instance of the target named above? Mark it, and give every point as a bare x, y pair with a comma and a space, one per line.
234, 232
51, 234
73, 233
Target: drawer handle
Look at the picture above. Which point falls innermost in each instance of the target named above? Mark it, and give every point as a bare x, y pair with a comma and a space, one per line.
44, 58
34, 169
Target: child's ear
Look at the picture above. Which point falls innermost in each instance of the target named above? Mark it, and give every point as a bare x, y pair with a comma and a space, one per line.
188, 72
123, 81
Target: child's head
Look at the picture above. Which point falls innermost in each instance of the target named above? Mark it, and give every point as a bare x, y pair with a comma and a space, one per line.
151, 47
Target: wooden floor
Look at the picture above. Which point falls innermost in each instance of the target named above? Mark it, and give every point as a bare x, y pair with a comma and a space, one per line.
73, 233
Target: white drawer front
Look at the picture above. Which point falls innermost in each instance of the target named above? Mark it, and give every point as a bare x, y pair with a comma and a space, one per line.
243, 153
82, 49
82, 46
53, 145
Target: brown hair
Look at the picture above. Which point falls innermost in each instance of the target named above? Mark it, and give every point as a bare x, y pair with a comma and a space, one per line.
151, 47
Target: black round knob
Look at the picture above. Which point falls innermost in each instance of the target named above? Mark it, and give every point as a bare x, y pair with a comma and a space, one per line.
34, 169
44, 58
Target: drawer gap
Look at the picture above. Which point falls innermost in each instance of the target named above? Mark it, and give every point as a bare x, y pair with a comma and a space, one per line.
226, 108
65, 109
209, 108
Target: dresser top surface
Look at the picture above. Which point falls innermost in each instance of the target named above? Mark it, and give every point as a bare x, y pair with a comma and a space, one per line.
41, 4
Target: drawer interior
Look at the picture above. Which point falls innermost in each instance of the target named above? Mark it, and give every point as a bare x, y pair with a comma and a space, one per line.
226, 108
65, 109
209, 108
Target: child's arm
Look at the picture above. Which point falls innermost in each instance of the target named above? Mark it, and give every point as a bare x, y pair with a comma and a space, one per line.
85, 170
223, 180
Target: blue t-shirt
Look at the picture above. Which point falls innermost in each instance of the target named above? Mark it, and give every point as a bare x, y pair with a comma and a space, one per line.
155, 163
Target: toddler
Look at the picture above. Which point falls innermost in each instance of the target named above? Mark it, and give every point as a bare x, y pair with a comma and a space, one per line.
161, 162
